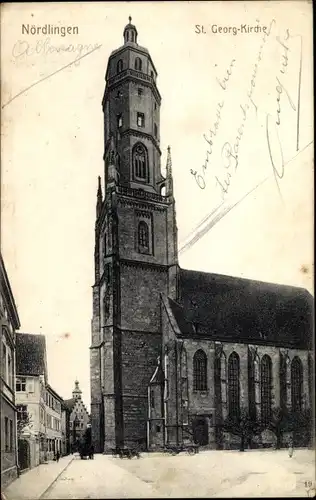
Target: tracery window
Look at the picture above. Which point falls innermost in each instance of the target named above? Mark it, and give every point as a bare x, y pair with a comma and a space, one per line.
266, 388
296, 384
143, 237
233, 385
140, 162
200, 371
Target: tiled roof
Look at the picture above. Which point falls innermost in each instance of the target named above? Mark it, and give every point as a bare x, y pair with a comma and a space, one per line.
30, 354
241, 310
69, 403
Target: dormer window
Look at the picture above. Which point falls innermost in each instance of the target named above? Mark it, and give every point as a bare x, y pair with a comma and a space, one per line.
152, 74
119, 66
138, 64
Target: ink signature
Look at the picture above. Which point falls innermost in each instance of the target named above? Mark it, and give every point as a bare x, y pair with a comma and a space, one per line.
272, 125
22, 48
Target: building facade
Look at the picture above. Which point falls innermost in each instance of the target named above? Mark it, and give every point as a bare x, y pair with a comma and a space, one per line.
9, 324
145, 306
54, 437
39, 406
30, 385
79, 417
65, 429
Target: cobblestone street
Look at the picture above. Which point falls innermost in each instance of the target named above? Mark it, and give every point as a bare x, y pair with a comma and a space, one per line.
208, 474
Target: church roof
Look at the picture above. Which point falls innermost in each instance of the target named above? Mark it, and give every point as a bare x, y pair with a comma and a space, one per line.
30, 354
242, 310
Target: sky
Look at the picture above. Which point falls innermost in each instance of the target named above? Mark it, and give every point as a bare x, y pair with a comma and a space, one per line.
223, 95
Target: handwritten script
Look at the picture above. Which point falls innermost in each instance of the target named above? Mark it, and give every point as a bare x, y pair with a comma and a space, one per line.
230, 150
22, 49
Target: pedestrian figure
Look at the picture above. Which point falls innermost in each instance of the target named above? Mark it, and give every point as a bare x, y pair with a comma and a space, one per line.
57, 456
291, 449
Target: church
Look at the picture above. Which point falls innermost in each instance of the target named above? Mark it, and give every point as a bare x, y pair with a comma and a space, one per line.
175, 352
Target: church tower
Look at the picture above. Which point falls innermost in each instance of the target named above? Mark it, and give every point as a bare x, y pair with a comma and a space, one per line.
136, 256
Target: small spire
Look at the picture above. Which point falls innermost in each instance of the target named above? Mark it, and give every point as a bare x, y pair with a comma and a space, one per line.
169, 179
130, 19
99, 186
99, 197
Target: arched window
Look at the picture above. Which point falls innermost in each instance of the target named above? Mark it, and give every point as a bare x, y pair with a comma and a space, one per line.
140, 162
296, 384
233, 385
119, 66
266, 388
200, 371
254, 384
138, 64
143, 237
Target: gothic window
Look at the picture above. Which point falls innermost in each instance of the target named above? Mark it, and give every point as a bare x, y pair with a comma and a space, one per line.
152, 74
266, 387
119, 66
140, 91
296, 384
155, 129
223, 377
140, 162
200, 371
143, 237
140, 120
254, 383
119, 120
155, 105
138, 64
233, 385
283, 382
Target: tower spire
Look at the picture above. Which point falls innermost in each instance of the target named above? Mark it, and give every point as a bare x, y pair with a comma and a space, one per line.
169, 178
130, 32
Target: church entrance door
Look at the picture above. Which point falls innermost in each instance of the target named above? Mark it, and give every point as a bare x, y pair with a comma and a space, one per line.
200, 431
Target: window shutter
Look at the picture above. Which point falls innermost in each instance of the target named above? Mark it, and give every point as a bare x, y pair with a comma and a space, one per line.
30, 385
